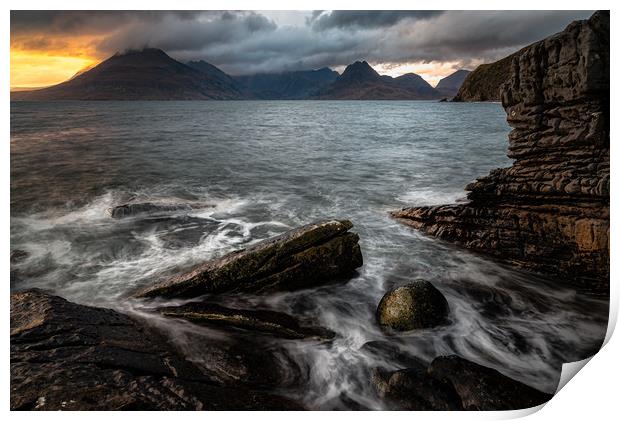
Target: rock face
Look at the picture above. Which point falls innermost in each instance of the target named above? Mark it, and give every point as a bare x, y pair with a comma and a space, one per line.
418, 305
301, 258
454, 383
265, 321
549, 211
73, 357
485, 82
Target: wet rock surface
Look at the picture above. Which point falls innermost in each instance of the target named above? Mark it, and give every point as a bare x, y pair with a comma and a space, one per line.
304, 257
389, 351
147, 208
417, 305
453, 383
265, 321
549, 211
74, 357
483, 388
415, 390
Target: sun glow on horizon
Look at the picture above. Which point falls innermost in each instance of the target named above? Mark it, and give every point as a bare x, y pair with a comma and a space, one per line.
432, 72
31, 69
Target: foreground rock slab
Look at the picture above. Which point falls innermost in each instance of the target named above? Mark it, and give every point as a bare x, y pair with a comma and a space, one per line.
549, 211
264, 321
454, 383
304, 257
66, 356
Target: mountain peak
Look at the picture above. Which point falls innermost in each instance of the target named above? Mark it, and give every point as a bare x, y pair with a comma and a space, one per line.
360, 70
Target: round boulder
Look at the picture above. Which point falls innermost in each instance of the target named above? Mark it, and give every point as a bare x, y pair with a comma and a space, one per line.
417, 305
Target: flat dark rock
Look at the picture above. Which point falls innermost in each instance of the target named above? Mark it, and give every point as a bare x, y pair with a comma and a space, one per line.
264, 321
301, 258
73, 357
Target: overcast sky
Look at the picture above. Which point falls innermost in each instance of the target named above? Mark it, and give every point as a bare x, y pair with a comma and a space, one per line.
431, 43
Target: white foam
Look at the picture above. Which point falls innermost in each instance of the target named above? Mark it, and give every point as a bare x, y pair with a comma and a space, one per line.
431, 196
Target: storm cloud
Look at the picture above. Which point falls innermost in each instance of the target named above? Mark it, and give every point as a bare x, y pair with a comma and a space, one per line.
242, 42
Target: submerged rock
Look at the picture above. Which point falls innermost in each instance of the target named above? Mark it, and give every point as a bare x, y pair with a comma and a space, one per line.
549, 211
265, 321
18, 256
392, 353
483, 388
304, 257
73, 357
418, 305
148, 208
414, 390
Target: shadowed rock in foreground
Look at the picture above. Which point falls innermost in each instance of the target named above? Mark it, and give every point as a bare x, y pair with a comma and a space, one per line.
454, 383
304, 257
73, 357
550, 210
265, 321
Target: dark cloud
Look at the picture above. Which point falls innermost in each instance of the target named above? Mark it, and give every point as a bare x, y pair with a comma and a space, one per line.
76, 22
321, 20
246, 42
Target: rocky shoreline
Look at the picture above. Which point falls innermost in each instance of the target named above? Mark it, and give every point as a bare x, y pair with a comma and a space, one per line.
67, 356
549, 211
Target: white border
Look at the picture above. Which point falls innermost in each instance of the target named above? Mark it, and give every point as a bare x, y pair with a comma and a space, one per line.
592, 395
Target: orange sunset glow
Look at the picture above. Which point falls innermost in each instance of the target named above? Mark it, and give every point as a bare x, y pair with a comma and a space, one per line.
38, 61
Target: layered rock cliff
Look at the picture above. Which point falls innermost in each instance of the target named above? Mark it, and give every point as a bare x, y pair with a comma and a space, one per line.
549, 211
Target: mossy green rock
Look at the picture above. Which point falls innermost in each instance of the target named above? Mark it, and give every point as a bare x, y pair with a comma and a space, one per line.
418, 305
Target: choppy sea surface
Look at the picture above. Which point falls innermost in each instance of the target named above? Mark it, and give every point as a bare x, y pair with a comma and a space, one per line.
267, 167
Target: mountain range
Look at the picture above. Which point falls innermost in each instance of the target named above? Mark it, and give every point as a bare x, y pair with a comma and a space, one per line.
151, 74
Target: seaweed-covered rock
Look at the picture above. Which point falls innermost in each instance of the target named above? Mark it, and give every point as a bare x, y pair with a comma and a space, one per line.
304, 257
483, 388
74, 357
418, 305
264, 321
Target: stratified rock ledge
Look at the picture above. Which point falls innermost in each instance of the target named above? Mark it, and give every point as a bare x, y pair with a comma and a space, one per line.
264, 321
304, 257
549, 211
